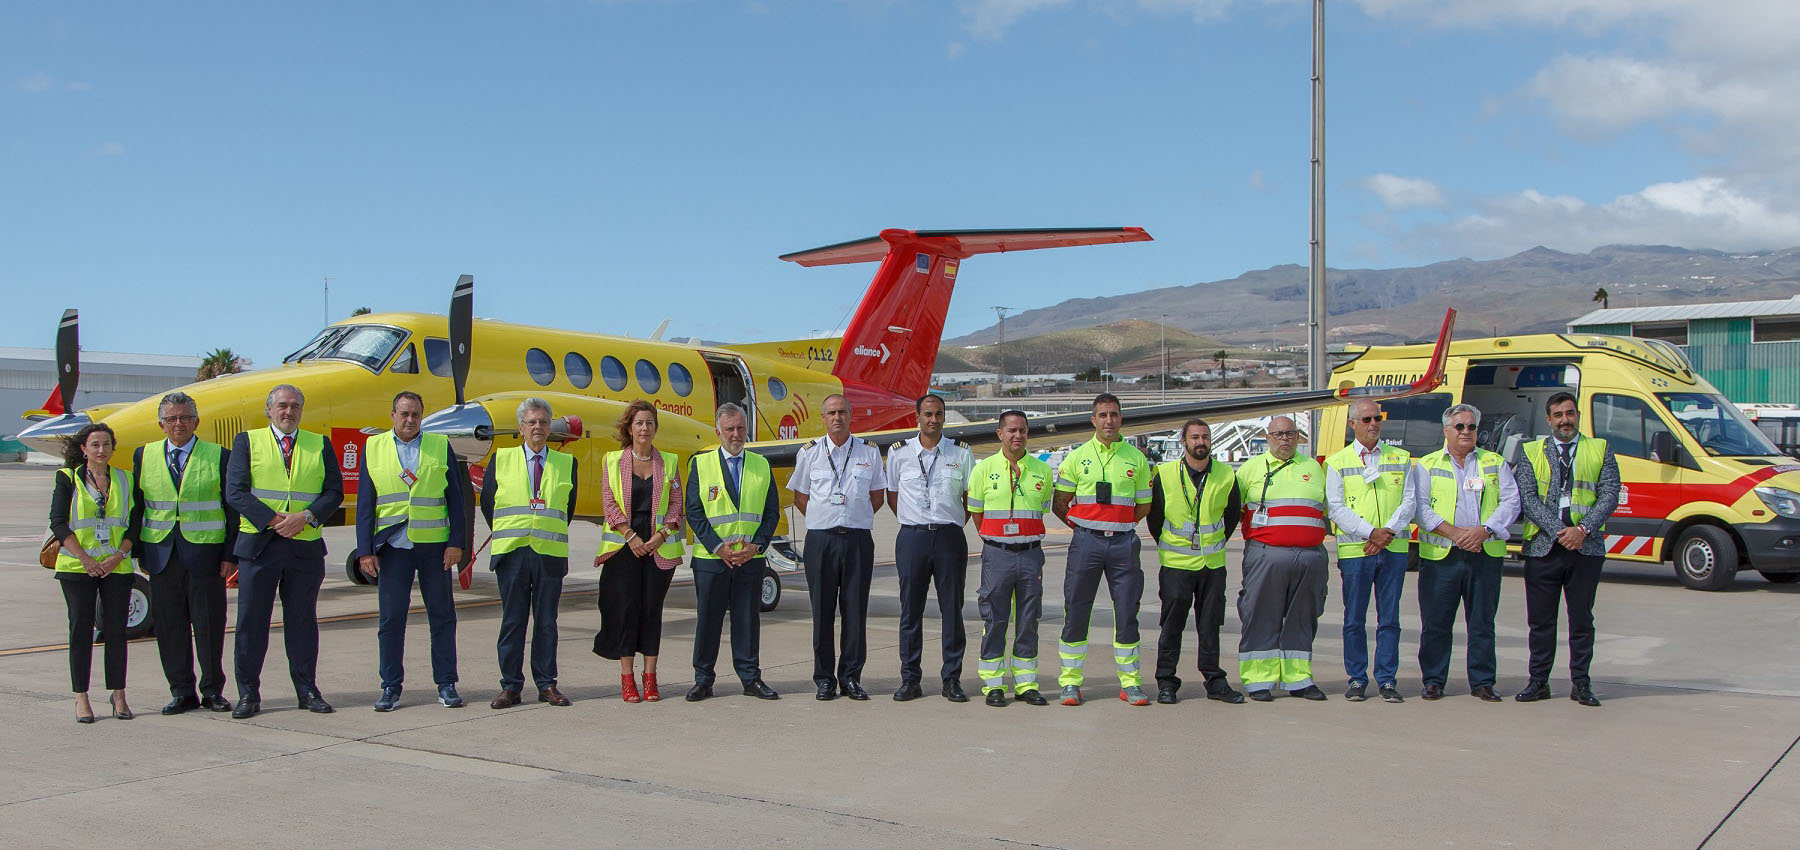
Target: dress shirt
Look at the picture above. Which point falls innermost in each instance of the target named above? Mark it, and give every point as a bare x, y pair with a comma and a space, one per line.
1567, 477
1468, 502
823, 470
185, 453
947, 464
409, 461
1350, 523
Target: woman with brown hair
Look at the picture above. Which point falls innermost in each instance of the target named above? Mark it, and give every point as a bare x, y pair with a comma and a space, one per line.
640, 491
91, 512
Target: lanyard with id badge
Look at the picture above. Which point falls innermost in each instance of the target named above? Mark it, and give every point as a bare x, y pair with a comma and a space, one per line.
102, 523
1193, 501
1261, 517
837, 476
1015, 477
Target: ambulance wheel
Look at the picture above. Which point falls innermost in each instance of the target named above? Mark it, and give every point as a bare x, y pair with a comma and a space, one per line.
1706, 558
138, 622
771, 589
353, 570
1780, 578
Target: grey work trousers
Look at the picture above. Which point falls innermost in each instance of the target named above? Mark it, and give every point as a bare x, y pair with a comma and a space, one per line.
1279, 606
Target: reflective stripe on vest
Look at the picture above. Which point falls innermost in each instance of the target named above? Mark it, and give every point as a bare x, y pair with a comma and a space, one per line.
610, 541
734, 523
282, 489
1123, 467
1588, 461
1185, 542
425, 506
99, 534
198, 505
1442, 477
518, 525
1376, 502
1286, 509
1004, 501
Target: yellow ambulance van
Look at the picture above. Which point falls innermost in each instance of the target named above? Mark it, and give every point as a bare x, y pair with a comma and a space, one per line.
1704, 488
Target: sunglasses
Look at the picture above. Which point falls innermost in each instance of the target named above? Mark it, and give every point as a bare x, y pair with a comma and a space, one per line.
1464, 426
1367, 419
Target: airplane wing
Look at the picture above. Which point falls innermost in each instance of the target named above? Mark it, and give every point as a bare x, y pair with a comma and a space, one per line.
1160, 417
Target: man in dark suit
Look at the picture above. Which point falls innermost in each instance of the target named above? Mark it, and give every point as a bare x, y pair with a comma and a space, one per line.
1568, 488
409, 521
730, 534
186, 547
284, 483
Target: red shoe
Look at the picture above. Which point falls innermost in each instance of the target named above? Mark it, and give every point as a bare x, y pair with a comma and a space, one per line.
650, 692
628, 682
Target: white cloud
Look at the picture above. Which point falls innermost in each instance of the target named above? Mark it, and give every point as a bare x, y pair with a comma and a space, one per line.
954, 50
992, 18
111, 149
1258, 182
1399, 193
1703, 212
34, 83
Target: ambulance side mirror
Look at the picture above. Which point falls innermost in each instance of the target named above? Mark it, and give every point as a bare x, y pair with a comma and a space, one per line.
1664, 449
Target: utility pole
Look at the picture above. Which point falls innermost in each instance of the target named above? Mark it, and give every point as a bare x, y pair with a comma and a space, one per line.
328, 299
1000, 355
1317, 373
1161, 325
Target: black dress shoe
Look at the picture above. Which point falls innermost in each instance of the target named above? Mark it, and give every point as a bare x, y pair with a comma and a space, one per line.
215, 703
1584, 695
1032, 697
953, 691
703, 690
179, 705
1225, 693
1311, 692
1167, 696
315, 703
1485, 693
826, 692
996, 698
1535, 689
854, 690
908, 691
757, 688
1265, 695
1434, 692
247, 707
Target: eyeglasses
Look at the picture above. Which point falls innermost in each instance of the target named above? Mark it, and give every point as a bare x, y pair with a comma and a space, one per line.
1464, 426
1281, 435
1367, 419
176, 420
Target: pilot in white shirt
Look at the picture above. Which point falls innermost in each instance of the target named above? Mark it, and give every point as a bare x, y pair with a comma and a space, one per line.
927, 479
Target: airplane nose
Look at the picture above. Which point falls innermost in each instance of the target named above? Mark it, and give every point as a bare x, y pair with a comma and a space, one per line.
47, 435
469, 427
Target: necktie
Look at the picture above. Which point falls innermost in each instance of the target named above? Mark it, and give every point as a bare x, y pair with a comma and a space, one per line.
537, 474
737, 474
1568, 477
177, 463
287, 451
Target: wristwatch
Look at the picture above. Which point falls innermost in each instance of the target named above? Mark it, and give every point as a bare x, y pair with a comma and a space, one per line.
310, 520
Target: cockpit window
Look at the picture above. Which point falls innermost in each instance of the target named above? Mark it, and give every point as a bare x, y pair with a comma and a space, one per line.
368, 346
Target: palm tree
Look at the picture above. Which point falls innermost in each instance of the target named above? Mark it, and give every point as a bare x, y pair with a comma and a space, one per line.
1600, 297
220, 361
1219, 357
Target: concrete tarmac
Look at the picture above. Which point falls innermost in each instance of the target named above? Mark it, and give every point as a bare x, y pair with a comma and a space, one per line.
1701, 692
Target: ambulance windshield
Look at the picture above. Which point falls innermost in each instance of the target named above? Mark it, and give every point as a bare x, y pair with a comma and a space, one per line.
1717, 425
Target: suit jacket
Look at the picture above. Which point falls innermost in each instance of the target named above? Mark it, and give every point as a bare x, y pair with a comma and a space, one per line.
369, 541
195, 556
555, 565
237, 495
1546, 512
706, 537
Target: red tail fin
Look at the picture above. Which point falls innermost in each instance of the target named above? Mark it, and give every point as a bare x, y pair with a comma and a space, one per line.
54, 404
891, 342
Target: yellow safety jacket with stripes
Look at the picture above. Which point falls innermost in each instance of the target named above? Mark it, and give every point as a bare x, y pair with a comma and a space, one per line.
733, 522
285, 488
519, 521
198, 504
425, 505
1122, 468
1284, 501
1590, 456
1376, 501
1011, 506
1193, 532
1440, 470
611, 541
99, 532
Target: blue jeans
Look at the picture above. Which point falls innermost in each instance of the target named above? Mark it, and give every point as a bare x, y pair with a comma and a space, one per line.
1384, 573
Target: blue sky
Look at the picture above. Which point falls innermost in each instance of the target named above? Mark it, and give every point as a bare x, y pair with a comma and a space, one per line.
188, 174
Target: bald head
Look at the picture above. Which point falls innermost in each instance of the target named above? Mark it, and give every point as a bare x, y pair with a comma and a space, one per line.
1365, 421
1283, 437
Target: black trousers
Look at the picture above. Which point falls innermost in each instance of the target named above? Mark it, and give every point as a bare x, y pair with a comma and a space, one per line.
1203, 592
840, 562
632, 592
530, 591
1561, 576
188, 604
113, 593
295, 578
717, 588
926, 558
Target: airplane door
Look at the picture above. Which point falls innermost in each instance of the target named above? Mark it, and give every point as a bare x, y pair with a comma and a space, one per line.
731, 383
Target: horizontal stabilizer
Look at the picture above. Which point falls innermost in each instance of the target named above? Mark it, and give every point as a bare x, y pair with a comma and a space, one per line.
966, 243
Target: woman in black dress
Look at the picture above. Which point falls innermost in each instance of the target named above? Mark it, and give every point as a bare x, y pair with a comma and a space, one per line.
640, 491
91, 512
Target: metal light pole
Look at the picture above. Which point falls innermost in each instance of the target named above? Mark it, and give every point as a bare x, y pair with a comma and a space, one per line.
1164, 328
1317, 373
1000, 355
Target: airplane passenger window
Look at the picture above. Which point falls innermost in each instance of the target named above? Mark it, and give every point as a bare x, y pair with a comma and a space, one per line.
612, 372
406, 363
649, 379
576, 367
680, 380
437, 357
777, 389
540, 367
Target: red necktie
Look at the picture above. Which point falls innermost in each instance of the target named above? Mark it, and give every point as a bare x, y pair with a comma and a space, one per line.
537, 474
287, 451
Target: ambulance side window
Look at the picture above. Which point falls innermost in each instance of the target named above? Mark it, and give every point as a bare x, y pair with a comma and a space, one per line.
1626, 424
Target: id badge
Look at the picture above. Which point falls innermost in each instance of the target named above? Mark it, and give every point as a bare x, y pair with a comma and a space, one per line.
537, 504
1371, 474
1473, 485
838, 499
408, 478
1564, 502
1259, 519
1010, 529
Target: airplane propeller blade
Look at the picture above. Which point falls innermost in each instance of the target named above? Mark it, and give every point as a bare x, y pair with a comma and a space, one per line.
68, 358
462, 317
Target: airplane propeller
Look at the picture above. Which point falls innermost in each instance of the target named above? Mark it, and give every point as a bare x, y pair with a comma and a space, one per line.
68, 358
462, 318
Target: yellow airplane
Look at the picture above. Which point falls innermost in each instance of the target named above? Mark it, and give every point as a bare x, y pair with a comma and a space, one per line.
351, 371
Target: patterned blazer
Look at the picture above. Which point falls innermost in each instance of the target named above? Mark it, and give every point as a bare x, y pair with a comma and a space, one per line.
618, 505
1548, 516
